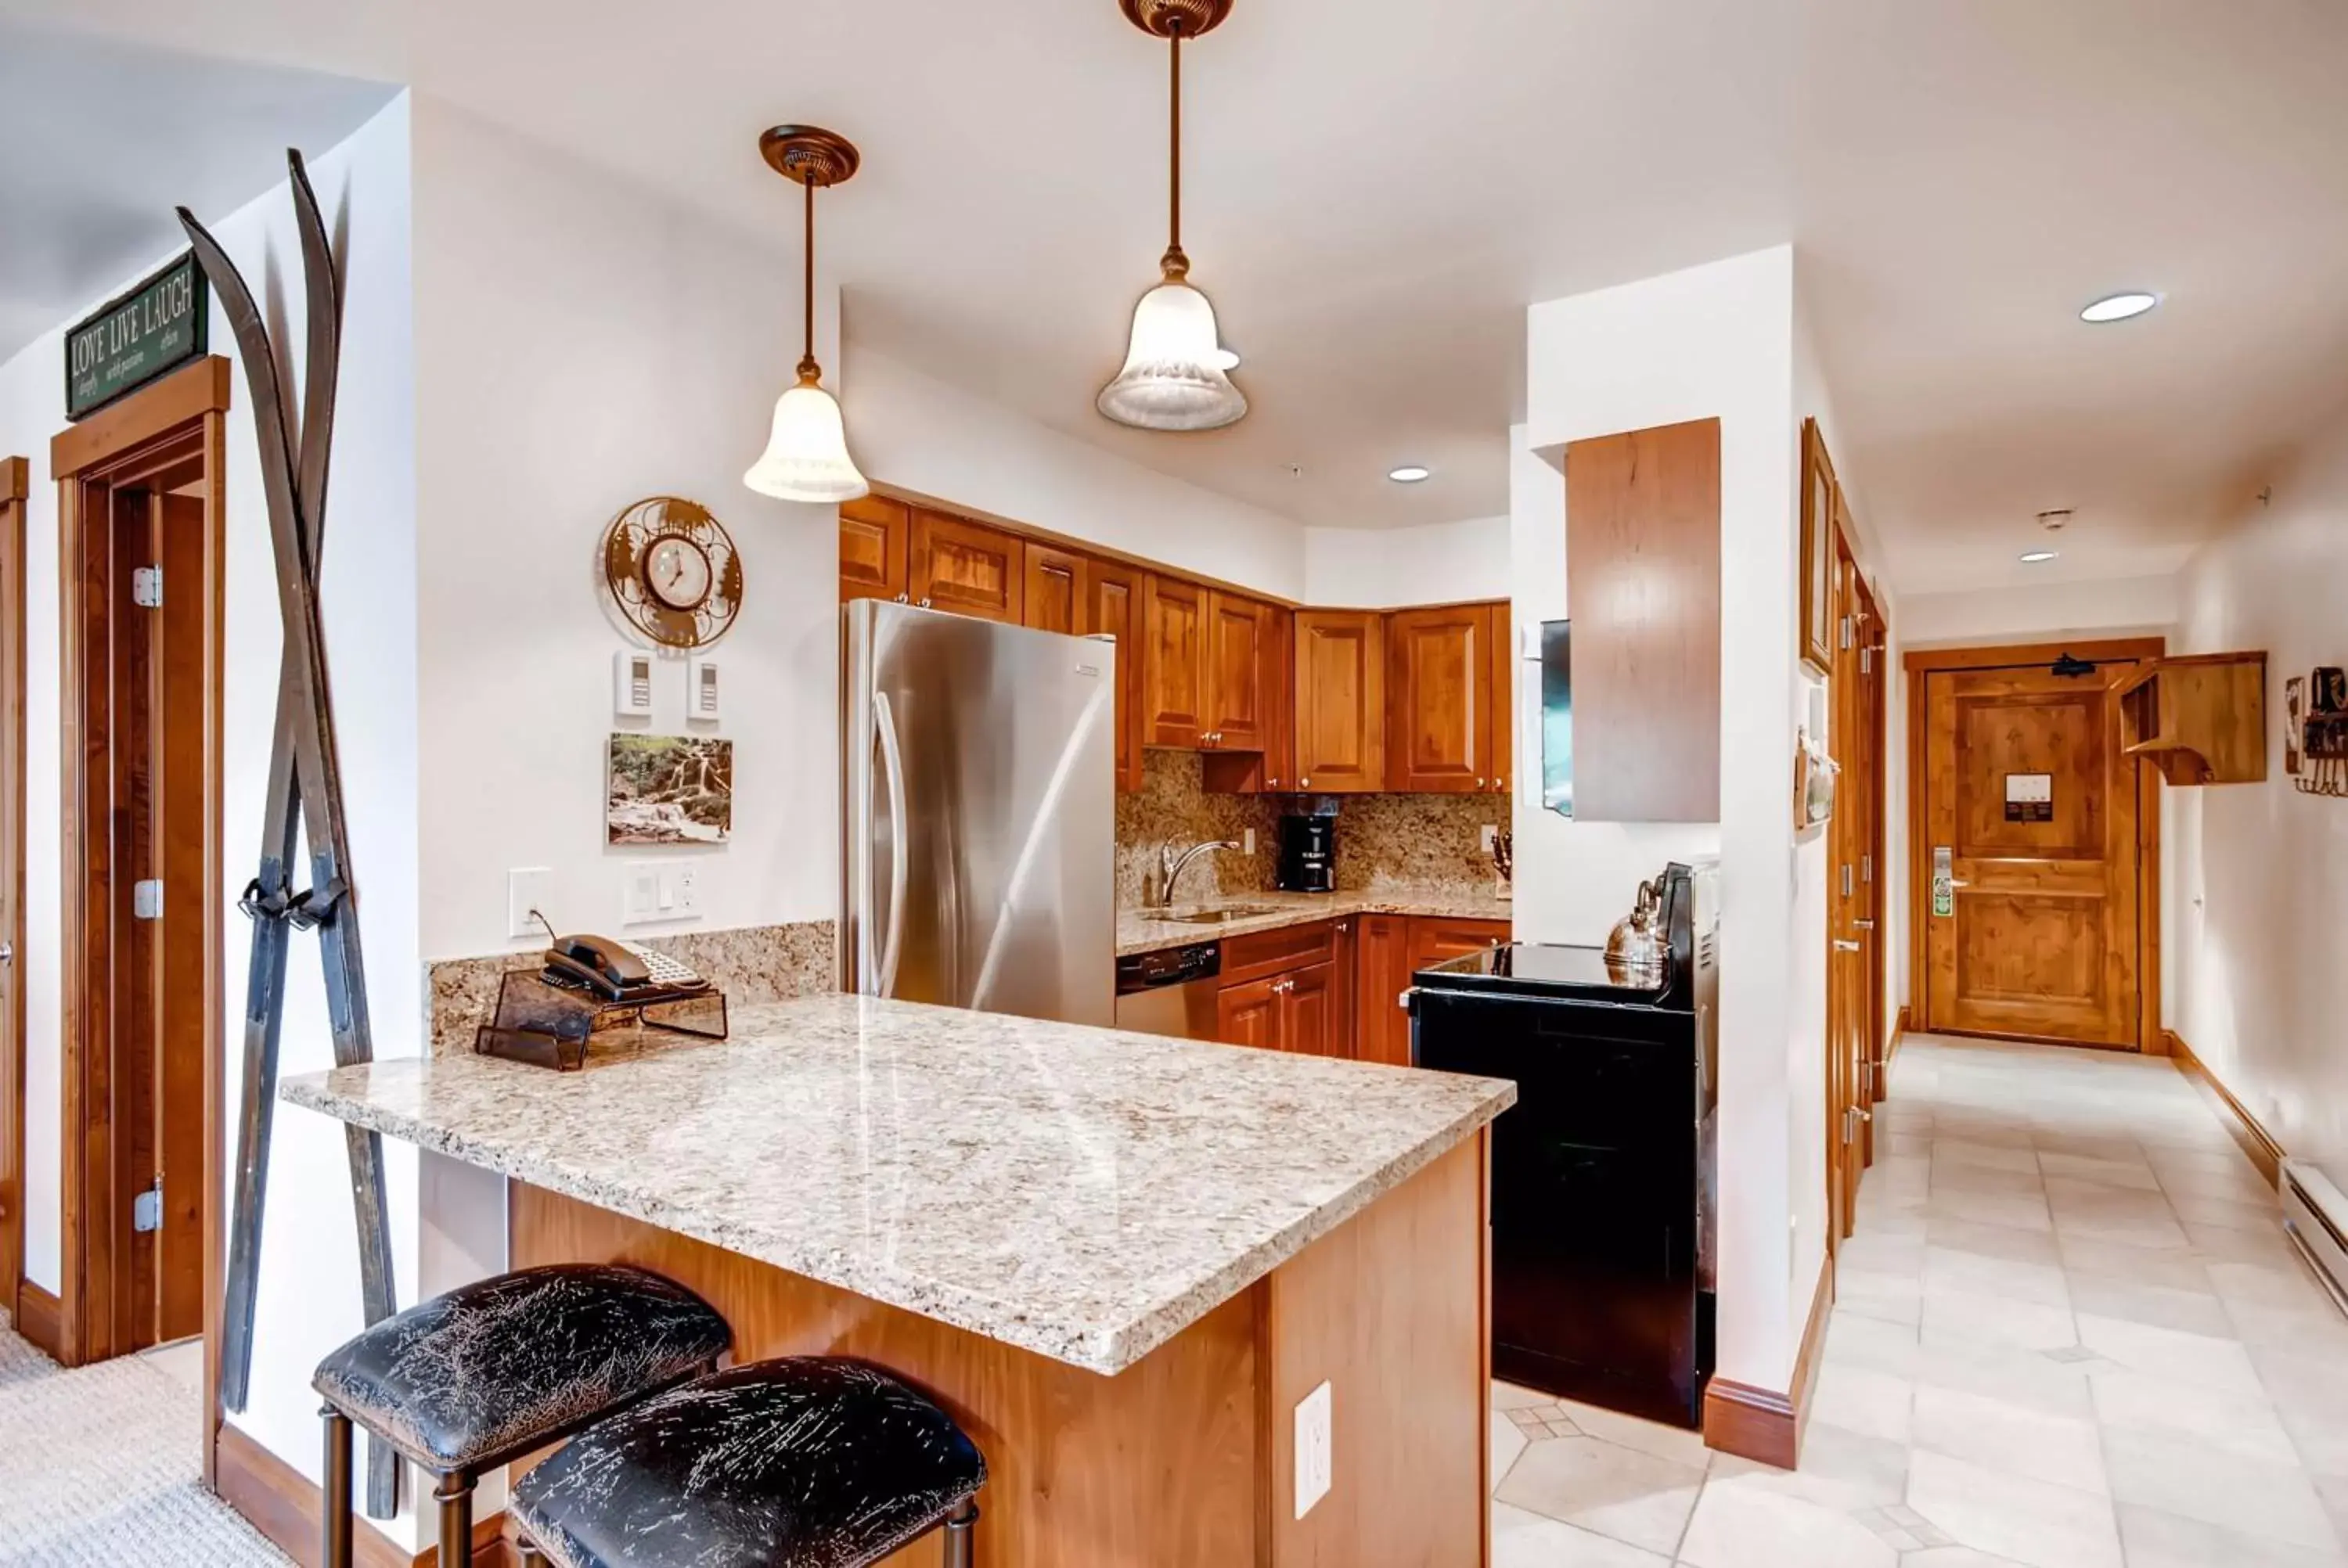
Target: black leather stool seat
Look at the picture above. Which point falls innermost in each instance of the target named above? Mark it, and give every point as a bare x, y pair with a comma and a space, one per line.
804, 1462
494, 1368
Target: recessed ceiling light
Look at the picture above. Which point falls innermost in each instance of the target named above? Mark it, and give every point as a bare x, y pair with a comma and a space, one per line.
2033, 557
2119, 307
1409, 473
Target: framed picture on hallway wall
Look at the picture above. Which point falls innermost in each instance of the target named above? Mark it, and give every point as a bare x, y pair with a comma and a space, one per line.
1818, 550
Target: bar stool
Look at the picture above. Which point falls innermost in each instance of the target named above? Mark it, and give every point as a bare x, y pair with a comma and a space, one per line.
808, 1461
494, 1369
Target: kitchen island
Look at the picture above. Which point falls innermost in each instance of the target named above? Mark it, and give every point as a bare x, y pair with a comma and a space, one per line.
1121, 1261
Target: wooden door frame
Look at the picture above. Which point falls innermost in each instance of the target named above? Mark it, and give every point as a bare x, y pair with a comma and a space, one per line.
1919, 663
16, 486
185, 414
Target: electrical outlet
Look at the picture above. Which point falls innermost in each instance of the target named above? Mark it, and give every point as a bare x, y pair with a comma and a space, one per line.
688, 895
1314, 1466
526, 889
639, 898
1486, 834
1247, 841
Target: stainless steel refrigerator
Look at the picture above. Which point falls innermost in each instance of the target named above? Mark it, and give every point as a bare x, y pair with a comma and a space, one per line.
979, 805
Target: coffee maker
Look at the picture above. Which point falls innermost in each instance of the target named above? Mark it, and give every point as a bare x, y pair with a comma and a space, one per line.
1308, 855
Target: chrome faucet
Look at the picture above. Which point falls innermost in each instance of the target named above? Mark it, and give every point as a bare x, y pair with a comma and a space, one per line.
1171, 865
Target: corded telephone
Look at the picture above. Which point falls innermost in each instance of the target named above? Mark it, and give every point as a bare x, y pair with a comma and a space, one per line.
616, 971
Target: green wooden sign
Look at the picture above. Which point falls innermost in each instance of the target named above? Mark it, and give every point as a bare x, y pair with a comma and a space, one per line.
149, 332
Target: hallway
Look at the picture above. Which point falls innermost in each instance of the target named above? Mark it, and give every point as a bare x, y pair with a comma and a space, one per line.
2070, 1333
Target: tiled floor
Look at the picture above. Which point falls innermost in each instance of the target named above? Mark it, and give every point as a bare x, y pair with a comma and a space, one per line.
2070, 1333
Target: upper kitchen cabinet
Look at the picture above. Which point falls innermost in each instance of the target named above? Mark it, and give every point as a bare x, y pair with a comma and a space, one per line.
1113, 596
1173, 662
966, 566
1340, 700
1054, 598
1241, 687
1443, 712
875, 536
1642, 588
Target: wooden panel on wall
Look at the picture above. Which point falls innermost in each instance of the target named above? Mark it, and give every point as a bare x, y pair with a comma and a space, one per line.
1114, 592
875, 534
1643, 537
1340, 700
966, 566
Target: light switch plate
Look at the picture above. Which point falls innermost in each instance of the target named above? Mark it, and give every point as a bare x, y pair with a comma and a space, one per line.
1247, 841
526, 889
1313, 1466
632, 683
1486, 834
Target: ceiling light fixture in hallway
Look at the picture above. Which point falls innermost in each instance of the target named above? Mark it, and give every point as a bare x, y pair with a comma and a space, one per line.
1176, 374
2119, 307
807, 452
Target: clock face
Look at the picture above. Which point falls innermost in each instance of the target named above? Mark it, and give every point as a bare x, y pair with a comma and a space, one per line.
673, 573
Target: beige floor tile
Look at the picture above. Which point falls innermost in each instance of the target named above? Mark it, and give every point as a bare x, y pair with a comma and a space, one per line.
1894, 1298
1840, 1468
1524, 1540
2229, 1244
1954, 1557
2170, 1269
2232, 1212
1854, 1339
2334, 1489
2318, 1330
2214, 1363
2030, 1521
1508, 1441
2191, 1311
1740, 1524
1998, 1319
2009, 1438
2319, 1435
1873, 1252
1603, 1487
1508, 1396
2014, 1210
2156, 1231
2129, 1171
2033, 1243
1958, 1176
2268, 1285
2157, 1539
2018, 1377
2200, 1481
2247, 1424
1861, 1399
1952, 1268
1676, 1444
1976, 1150
2296, 1380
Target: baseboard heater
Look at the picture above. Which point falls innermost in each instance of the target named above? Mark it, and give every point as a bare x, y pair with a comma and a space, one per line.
2315, 1216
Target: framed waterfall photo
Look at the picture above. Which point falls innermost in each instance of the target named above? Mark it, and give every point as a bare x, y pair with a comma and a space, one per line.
669, 789
1818, 550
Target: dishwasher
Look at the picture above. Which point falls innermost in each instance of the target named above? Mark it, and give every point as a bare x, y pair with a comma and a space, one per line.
1170, 991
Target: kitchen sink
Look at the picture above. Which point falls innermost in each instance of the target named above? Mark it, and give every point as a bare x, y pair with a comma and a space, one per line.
1216, 917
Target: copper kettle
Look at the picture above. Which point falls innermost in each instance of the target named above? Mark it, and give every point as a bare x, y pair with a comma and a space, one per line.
1637, 947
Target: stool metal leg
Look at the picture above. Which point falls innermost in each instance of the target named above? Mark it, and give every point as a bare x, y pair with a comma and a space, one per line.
961, 1525
455, 1496
334, 1498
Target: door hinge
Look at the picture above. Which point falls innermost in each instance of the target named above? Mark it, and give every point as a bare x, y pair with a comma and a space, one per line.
147, 587
1865, 660
1848, 631
1867, 869
1846, 879
147, 1208
146, 899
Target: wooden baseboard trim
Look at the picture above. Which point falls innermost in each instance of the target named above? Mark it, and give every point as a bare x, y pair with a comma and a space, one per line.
1763, 1424
282, 1504
39, 1320
2256, 1140
1899, 1025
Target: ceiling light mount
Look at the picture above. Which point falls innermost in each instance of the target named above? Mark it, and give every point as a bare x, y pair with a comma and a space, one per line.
1167, 18
809, 155
2056, 520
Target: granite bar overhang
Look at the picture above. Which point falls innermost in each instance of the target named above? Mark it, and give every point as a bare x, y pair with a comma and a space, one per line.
1085, 1194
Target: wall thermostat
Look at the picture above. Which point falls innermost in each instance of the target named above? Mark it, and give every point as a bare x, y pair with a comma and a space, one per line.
632, 683
701, 689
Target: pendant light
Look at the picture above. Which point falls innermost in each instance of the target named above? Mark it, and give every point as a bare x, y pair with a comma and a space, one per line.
806, 455
1177, 371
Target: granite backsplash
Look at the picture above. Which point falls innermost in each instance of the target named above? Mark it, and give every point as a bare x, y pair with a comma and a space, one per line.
1383, 840
751, 964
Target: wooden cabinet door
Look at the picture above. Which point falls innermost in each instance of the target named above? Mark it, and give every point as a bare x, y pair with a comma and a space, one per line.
873, 543
1381, 970
1308, 1011
1438, 695
1173, 662
967, 568
1436, 941
1340, 700
1114, 596
1250, 1014
1345, 979
1501, 702
1240, 682
1054, 597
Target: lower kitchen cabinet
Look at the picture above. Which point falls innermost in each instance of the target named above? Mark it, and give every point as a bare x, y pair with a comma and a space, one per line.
1382, 973
1249, 1014
1297, 1011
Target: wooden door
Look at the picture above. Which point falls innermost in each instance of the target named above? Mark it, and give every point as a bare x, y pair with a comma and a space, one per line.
1173, 663
1308, 1011
14, 483
1114, 594
1439, 689
1054, 597
1250, 1014
1239, 645
1849, 1102
966, 566
2031, 870
1382, 971
875, 540
1340, 703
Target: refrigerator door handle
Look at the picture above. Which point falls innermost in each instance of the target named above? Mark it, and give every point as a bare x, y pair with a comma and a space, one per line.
892, 765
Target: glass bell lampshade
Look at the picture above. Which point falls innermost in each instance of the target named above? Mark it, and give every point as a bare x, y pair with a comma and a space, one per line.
806, 456
1176, 375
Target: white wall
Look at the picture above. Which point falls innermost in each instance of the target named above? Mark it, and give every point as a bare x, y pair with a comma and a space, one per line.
908, 430
1381, 568
308, 1300
2261, 879
1716, 341
2030, 612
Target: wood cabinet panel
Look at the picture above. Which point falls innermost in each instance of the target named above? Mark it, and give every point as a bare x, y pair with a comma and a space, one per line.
1339, 690
1054, 597
1174, 640
1502, 699
1345, 977
1382, 970
1249, 1014
874, 540
1643, 530
1114, 596
1439, 699
1435, 941
1239, 682
1308, 1011
967, 568
1264, 954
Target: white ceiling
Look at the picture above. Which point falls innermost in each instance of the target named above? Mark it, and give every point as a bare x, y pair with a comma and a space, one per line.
100, 140
1375, 189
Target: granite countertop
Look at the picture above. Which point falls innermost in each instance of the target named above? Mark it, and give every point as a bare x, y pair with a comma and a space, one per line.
1139, 931
1082, 1192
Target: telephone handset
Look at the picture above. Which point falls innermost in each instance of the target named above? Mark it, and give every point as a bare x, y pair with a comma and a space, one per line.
616, 971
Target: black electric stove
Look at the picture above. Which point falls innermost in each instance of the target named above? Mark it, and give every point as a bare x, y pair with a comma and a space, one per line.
1602, 1172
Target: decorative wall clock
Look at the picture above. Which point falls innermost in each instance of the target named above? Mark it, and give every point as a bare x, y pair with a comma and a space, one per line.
674, 572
